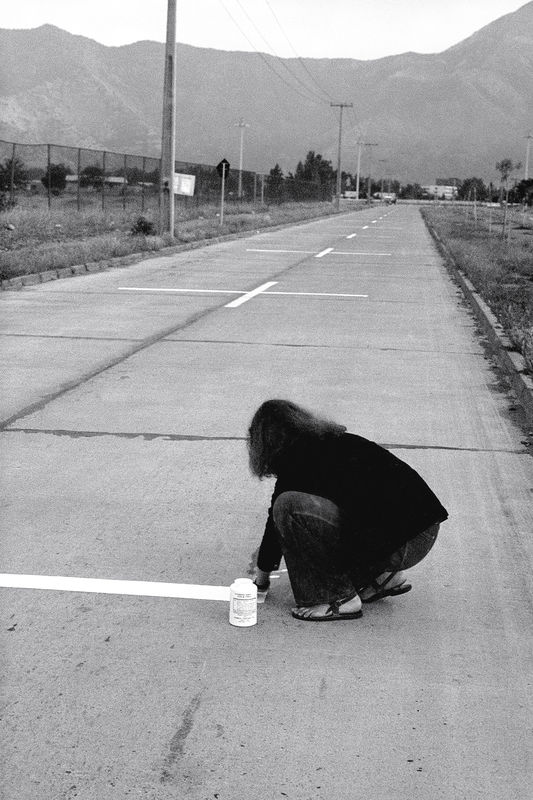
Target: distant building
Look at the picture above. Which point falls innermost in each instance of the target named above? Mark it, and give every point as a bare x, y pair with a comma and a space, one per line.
448, 182
441, 191
111, 180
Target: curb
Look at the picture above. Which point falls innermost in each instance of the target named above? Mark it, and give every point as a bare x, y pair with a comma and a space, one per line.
134, 258
511, 361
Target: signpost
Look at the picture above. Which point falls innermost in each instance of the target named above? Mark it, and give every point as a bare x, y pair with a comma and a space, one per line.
184, 184
223, 171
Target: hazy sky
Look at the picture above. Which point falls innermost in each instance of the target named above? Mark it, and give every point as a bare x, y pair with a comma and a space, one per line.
362, 29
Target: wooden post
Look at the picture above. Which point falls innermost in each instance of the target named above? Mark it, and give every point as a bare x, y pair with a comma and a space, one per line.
168, 135
78, 196
103, 179
12, 176
48, 147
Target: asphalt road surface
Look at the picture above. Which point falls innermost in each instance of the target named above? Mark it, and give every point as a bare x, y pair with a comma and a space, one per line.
126, 399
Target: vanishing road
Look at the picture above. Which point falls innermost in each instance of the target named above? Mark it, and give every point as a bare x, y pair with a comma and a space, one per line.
126, 399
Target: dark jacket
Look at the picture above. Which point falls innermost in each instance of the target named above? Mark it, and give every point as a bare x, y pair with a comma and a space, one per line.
383, 501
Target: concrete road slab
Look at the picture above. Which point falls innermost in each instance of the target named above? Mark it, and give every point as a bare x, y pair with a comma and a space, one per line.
36, 367
427, 696
203, 389
163, 697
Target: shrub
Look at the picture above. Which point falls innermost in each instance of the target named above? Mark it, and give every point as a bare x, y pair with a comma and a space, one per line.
143, 227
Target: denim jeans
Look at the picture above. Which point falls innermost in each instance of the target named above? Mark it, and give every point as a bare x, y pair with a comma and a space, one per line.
310, 534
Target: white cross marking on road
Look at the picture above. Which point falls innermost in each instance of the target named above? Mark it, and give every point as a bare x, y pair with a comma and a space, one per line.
249, 295
264, 250
359, 253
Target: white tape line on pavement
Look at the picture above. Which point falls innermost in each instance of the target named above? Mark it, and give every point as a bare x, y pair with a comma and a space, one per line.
249, 295
189, 591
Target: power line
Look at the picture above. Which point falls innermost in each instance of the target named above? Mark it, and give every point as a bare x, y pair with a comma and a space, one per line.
300, 60
282, 61
266, 61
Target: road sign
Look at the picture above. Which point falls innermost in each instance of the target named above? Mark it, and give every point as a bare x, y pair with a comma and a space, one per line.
184, 184
223, 168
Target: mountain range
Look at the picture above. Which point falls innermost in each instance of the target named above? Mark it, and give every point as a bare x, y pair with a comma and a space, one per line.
453, 113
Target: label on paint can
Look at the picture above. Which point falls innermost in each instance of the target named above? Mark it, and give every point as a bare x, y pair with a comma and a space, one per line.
243, 603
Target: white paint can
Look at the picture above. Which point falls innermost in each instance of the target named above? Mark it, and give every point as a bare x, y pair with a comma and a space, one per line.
243, 603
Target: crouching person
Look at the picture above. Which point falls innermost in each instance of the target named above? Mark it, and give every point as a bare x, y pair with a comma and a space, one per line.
347, 515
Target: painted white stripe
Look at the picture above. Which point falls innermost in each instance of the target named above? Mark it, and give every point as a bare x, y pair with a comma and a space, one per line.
249, 295
351, 236
374, 221
263, 250
318, 294
208, 291
359, 253
227, 291
100, 586
365, 227
324, 252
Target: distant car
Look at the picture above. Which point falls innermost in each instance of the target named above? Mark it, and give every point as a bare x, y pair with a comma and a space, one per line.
387, 197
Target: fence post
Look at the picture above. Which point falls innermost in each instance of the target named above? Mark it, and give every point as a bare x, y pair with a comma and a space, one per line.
160, 191
124, 184
143, 181
103, 180
78, 195
12, 176
48, 147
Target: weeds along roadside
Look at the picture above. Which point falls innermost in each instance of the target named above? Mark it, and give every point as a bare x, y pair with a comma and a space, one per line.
501, 269
37, 240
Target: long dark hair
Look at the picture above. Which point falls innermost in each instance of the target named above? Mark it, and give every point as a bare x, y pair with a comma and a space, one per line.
276, 425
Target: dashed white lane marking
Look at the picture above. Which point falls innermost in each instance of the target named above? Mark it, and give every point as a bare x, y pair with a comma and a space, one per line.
249, 295
101, 586
351, 236
365, 227
324, 252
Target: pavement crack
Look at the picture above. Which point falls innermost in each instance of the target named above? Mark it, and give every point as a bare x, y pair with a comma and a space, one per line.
191, 437
148, 437
177, 743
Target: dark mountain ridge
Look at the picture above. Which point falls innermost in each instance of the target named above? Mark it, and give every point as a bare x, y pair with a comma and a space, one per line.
450, 113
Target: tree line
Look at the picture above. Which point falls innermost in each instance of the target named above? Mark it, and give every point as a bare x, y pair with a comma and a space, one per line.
314, 178
317, 171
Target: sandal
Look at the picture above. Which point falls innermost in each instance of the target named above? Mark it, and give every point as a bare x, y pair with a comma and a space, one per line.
332, 612
384, 589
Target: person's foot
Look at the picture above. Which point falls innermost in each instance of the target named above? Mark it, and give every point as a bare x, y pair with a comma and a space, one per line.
346, 608
262, 591
388, 584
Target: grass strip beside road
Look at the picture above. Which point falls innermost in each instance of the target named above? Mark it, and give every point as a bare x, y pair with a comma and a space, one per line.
38, 240
500, 269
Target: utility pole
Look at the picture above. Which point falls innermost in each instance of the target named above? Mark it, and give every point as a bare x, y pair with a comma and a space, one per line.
242, 125
382, 161
168, 137
360, 145
339, 174
369, 193
529, 137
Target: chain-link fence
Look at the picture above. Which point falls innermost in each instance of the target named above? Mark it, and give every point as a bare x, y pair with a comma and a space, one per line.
78, 178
